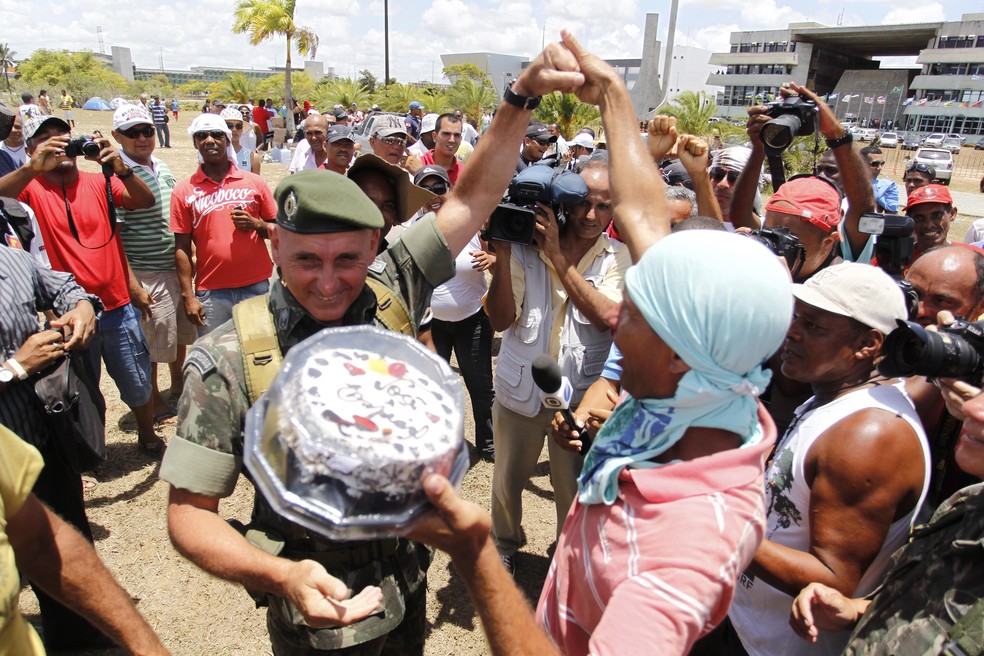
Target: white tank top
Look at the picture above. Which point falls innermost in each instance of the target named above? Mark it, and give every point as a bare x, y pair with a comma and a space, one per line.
759, 612
244, 159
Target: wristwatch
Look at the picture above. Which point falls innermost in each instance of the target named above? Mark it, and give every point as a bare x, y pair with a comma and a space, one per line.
6, 375
523, 102
126, 174
15, 366
836, 143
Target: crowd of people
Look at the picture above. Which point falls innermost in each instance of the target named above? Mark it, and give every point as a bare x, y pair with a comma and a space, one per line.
737, 475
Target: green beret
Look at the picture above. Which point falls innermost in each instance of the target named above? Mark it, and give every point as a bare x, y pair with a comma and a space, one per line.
318, 201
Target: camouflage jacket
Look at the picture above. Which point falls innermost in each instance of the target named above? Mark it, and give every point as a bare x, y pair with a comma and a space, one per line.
933, 582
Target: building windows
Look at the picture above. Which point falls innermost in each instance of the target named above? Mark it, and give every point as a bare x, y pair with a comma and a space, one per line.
957, 42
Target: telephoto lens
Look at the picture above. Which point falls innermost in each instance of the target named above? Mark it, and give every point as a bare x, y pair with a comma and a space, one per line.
952, 352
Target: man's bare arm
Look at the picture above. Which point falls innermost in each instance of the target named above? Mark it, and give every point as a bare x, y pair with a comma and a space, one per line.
742, 210
865, 472
193, 308
694, 155
500, 304
56, 558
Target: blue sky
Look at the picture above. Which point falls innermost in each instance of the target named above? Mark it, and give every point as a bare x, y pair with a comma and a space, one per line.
196, 32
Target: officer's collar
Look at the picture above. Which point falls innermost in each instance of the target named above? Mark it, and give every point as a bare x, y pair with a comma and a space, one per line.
294, 323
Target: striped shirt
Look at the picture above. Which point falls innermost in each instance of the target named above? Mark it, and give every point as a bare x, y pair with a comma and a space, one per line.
146, 234
159, 112
26, 289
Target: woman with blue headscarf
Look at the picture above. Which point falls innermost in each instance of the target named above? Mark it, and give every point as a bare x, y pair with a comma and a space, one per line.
670, 508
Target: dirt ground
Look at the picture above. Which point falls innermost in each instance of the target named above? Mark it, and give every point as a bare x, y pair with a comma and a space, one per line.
198, 615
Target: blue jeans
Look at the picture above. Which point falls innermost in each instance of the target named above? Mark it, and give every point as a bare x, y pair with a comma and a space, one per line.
471, 341
163, 134
218, 303
121, 344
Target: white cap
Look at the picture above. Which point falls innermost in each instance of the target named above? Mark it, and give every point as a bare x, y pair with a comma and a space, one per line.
429, 122
127, 116
583, 139
860, 291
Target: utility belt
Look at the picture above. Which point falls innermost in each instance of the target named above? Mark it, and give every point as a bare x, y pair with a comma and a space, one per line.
348, 557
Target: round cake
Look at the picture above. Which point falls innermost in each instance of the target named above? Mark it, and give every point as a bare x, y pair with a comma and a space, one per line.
373, 423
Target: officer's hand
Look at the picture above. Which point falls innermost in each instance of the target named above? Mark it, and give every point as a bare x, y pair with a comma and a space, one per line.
323, 599
195, 311
819, 608
79, 325
40, 350
458, 527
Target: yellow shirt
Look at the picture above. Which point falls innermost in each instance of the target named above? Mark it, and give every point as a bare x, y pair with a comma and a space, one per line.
20, 464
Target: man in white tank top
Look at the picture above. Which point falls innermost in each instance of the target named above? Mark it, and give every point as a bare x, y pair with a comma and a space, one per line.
851, 471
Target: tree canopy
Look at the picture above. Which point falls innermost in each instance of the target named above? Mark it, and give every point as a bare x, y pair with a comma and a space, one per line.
80, 73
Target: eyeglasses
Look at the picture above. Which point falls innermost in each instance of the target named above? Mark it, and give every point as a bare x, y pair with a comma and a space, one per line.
133, 133
202, 135
877, 164
439, 188
393, 141
717, 174
234, 126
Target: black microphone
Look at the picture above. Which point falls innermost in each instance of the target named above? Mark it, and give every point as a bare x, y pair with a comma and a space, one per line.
556, 392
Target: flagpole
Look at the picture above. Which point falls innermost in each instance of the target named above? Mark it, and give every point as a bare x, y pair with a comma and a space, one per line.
897, 108
881, 121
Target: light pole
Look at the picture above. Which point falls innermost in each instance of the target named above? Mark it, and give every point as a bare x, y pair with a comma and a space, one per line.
386, 30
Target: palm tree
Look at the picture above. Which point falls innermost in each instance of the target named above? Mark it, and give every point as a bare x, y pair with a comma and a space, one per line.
237, 87
264, 19
396, 97
471, 97
693, 112
7, 62
340, 91
569, 113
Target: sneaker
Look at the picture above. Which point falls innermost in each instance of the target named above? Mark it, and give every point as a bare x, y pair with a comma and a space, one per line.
509, 563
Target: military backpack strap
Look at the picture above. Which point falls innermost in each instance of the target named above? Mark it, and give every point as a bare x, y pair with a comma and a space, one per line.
967, 635
390, 309
258, 344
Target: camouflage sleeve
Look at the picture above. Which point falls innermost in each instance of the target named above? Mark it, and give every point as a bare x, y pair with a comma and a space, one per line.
423, 260
206, 455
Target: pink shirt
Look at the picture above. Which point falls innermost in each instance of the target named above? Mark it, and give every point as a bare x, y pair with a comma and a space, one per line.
656, 570
226, 257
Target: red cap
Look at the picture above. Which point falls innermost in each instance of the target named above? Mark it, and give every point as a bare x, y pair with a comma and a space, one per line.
812, 199
931, 193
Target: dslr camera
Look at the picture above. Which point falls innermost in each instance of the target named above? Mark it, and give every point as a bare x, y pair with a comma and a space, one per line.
791, 117
514, 220
83, 146
894, 246
784, 244
956, 351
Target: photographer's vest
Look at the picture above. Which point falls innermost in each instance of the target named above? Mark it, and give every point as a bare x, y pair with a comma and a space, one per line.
398, 566
583, 348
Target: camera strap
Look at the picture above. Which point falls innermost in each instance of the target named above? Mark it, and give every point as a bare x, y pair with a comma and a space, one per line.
110, 211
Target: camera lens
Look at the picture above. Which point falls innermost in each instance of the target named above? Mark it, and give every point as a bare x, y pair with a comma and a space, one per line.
90, 149
911, 350
778, 133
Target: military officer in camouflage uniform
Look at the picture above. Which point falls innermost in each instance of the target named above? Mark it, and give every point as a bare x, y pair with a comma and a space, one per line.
324, 244
932, 600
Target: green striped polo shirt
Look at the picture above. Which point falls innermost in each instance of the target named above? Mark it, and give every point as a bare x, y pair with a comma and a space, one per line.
146, 234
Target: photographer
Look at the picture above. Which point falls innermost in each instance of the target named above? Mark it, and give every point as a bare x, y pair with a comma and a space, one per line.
77, 219
552, 298
854, 181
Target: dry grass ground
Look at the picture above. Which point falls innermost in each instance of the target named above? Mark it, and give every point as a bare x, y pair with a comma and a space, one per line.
197, 615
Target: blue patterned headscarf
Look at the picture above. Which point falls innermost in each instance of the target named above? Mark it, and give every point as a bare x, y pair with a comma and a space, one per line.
723, 303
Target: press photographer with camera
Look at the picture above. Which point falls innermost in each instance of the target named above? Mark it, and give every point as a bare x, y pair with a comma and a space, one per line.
77, 215
777, 124
551, 297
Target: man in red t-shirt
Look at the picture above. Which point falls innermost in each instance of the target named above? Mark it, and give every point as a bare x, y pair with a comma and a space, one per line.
447, 138
224, 211
261, 118
72, 207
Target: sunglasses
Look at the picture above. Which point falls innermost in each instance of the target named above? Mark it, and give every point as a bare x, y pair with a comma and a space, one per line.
438, 188
919, 166
234, 126
543, 142
877, 164
393, 141
133, 133
717, 174
202, 135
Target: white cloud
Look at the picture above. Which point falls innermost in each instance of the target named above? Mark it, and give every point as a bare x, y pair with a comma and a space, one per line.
921, 13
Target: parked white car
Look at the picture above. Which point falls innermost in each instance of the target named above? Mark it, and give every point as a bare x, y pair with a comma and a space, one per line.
940, 159
934, 140
889, 140
952, 144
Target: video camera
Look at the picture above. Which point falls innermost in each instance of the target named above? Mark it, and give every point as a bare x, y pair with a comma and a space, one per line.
784, 244
83, 146
791, 117
514, 220
956, 351
894, 246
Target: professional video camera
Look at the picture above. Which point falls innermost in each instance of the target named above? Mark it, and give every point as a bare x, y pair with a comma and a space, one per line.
82, 146
894, 246
784, 244
956, 351
514, 220
791, 117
